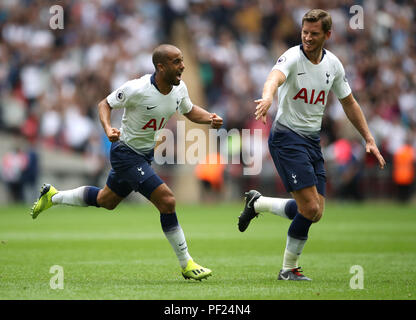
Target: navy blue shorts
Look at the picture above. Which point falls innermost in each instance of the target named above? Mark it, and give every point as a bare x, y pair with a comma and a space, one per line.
131, 172
298, 160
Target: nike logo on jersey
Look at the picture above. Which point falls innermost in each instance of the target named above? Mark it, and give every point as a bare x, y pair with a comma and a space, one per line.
300, 73
150, 108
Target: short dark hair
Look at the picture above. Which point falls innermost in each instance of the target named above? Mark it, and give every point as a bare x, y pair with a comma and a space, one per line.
160, 54
315, 15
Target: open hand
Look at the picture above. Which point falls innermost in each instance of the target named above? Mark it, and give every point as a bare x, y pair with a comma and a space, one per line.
263, 106
371, 147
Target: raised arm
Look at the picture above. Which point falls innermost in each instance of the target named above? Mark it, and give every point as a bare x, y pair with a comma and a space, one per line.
354, 113
274, 80
199, 115
104, 112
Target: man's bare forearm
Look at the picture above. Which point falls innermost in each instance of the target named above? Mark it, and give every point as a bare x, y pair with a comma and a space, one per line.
274, 80
199, 115
356, 116
104, 112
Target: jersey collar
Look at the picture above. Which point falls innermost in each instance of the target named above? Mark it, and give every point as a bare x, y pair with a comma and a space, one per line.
153, 81
323, 52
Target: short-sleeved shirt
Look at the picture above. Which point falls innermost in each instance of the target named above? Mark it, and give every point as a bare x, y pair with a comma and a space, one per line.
146, 110
303, 96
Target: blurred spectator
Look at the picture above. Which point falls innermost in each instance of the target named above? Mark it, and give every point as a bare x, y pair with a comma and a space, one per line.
348, 159
30, 175
404, 161
211, 176
13, 166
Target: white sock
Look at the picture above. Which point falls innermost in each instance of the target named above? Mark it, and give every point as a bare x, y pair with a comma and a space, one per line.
74, 197
177, 240
292, 253
272, 205
290, 260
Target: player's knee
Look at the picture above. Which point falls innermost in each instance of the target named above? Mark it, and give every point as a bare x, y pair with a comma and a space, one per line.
317, 217
167, 204
318, 214
104, 201
107, 200
111, 206
312, 211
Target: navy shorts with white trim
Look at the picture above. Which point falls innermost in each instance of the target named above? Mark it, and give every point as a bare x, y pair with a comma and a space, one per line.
131, 172
298, 159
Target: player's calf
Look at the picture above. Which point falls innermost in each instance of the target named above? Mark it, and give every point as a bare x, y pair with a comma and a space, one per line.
106, 198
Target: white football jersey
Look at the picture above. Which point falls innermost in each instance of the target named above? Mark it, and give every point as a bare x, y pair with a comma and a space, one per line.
146, 110
304, 94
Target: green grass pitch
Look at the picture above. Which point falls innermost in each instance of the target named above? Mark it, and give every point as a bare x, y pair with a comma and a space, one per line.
123, 254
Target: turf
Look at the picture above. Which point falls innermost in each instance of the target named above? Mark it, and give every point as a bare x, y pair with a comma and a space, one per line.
123, 254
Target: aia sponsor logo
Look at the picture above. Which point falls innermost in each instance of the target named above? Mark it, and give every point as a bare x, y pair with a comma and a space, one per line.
312, 97
152, 124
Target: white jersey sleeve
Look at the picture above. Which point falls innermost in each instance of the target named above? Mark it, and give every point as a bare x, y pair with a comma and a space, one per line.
185, 105
340, 86
287, 61
122, 97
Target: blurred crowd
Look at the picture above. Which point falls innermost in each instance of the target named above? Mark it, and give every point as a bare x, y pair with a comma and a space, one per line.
51, 80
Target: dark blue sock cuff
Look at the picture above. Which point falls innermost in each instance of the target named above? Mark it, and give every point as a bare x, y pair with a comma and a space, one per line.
169, 221
291, 209
299, 227
90, 196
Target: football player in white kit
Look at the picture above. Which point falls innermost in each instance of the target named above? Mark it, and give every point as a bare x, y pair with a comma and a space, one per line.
303, 75
148, 104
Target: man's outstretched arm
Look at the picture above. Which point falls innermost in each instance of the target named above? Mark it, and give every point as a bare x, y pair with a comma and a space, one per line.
274, 80
354, 113
199, 115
